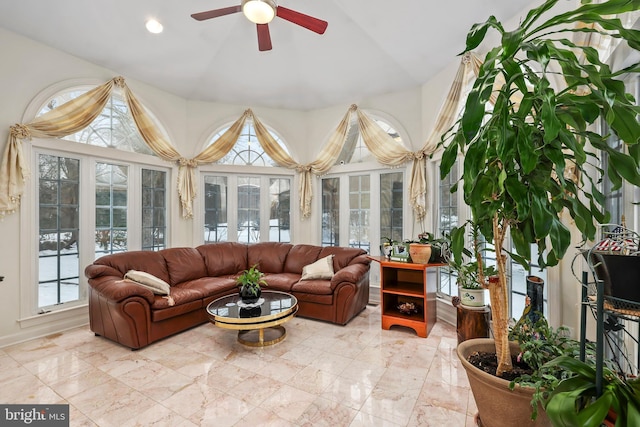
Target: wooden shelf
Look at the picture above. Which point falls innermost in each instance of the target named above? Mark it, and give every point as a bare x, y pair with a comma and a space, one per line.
404, 288
402, 282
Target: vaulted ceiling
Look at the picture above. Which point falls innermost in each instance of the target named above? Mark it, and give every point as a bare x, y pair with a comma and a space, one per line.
371, 47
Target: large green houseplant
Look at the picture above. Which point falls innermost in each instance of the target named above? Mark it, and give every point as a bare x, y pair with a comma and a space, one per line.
521, 138
575, 401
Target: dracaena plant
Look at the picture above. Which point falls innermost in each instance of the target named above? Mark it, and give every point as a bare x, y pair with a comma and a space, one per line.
521, 138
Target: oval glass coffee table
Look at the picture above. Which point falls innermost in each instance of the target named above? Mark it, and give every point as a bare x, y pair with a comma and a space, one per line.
258, 324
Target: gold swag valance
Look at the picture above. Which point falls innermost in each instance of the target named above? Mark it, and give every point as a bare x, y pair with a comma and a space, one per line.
78, 113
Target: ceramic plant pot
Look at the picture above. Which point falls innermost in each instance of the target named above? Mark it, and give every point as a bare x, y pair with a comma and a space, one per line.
249, 294
472, 297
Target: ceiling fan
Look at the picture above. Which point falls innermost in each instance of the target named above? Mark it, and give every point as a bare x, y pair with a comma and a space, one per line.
261, 12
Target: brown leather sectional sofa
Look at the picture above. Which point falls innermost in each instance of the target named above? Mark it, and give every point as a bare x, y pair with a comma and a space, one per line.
134, 316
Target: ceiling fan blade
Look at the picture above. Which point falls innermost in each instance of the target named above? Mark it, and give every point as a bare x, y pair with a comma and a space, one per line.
264, 37
201, 16
309, 22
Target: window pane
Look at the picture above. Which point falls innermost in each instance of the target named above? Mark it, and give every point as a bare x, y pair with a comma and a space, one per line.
331, 212
359, 211
58, 269
248, 209
447, 219
280, 211
614, 202
111, 208
391, 206
215, 209
153, 209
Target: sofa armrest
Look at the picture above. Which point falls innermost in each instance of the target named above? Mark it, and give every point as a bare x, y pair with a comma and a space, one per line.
116, 289
352, 273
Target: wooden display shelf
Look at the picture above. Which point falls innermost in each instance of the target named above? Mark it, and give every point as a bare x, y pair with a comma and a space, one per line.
402, 282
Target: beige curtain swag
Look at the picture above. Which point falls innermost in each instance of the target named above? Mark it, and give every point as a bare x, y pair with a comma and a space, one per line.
64, 120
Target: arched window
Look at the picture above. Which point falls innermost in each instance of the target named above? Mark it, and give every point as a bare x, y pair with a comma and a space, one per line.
350, 189
113, 128
91, 202
248, 151
355, 150
248, 205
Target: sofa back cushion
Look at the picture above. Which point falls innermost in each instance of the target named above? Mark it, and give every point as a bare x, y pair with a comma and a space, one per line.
299, 256
149, 261
342, 255
184, 264
224, 258
269, 257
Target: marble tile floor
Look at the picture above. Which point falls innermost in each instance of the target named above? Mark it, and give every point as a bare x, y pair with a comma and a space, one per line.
320, 375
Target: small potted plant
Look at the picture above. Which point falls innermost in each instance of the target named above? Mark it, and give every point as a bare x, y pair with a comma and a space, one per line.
440, 246
472, 276
471, 290
250, 283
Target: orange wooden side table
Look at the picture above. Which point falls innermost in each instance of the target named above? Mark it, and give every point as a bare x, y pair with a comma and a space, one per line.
404, 286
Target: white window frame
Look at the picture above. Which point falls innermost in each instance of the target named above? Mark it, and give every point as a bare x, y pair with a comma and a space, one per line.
359, 169
232, 172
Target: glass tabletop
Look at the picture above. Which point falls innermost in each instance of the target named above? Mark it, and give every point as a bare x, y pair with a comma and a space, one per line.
271, 305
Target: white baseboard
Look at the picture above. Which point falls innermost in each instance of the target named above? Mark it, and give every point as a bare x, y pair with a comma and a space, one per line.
446, 312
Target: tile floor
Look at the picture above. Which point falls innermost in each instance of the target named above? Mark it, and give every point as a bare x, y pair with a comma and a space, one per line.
321, 375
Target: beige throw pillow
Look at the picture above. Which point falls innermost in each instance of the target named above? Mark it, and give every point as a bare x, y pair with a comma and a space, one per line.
321, 269
149, 281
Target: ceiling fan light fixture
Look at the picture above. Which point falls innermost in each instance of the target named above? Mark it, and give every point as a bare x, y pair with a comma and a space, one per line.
259, 11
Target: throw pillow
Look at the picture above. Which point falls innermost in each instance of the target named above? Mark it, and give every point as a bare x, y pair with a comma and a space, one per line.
321, 269
149, 281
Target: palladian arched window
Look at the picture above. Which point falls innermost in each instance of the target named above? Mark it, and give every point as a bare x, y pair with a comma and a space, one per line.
89, 202
247, 150
247, 205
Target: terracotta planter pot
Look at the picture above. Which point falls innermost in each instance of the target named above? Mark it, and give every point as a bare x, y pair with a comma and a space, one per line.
497, 405
420, 253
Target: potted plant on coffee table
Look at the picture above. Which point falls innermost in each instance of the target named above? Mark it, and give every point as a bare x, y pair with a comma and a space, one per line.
520, 137
250, 284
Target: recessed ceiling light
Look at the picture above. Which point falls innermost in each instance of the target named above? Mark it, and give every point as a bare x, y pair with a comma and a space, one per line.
154, 26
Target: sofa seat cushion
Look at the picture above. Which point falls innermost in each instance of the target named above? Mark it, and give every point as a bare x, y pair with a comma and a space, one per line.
318, 287
176, 310
313, 298
281, 281
208, 286
177, 296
